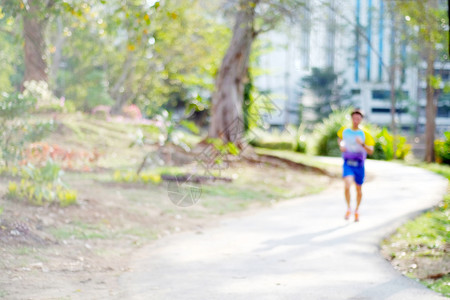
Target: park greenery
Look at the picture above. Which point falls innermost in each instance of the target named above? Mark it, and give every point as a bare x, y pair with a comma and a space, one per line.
128, 94
419, 246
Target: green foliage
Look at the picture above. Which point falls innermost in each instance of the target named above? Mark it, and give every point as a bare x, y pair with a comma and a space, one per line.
40, 185
248, 104
325, 138
378, 152
17, 131
190, 126
291, 139
322, 82
88, 91
424, 31
196, 104
325, 134
300, 140
273, 144
153, 54
131, 176
223, 148
442, 149
424, 238
441, 285
12, 68
164, 132
386, 141
171, 52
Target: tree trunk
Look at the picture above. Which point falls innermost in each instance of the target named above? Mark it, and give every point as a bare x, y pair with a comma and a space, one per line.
227, 122
392, 78
431, 110
417, 116
431, 107
393, 109
57, 56
34, 46
116, 93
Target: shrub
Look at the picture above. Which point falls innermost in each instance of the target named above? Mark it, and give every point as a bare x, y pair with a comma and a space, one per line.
16, 129
42, 185
325, 133
276, 140
45, 100
300, 140
442, 149
325, 138
386, 141
378, 152
40, 91
39, 153
273, 144
131, 176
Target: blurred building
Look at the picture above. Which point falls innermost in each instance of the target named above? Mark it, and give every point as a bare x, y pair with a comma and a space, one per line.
355, 39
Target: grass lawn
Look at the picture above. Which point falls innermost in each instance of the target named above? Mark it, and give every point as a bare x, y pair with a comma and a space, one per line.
420, 248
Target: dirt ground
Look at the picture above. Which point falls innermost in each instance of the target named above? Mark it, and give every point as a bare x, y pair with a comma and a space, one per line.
79, 252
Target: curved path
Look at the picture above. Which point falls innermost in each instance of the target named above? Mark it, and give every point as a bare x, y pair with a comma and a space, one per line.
299, 249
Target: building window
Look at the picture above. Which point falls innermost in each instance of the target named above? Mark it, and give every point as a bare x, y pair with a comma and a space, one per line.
443, 112
386, 95
388, 110
443, 106
381, 94
355, 91
444, 74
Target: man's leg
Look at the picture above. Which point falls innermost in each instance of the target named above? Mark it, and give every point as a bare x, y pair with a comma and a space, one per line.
358, 196
348, 182
359, 179
358, 200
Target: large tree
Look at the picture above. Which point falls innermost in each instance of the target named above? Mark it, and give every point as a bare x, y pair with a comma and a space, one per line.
429, 24
169, 55
323, 83
252, 17
34, 16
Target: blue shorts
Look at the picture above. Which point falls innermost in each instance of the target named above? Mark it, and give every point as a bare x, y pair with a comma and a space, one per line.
355, 169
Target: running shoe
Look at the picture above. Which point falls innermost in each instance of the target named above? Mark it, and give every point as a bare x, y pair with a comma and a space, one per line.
356, 216
347, 214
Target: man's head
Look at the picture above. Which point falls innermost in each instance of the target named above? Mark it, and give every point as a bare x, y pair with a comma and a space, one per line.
357, 116
357, 111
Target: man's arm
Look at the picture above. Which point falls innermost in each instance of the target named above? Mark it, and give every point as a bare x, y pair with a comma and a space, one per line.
341, 145
340, 141
369, 149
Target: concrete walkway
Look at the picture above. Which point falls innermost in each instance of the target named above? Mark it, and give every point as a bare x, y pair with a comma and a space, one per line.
299, 249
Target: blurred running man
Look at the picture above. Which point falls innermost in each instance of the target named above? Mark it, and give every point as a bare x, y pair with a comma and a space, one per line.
354, 144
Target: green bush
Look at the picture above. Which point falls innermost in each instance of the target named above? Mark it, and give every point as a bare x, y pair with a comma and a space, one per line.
300, 140
285, 140
300, 145
442, 149
386, 141
16, 128
131, 176
325, 138
273, 144
42, 185
325, 134
378, 152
